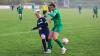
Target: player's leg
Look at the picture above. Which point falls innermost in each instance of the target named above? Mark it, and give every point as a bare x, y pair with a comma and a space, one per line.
96, 14
93, 14
20, 16
12, 8
43, 37
47, 32
79, 10
49, 42
59, 42
55, 37
56, 32
50, 38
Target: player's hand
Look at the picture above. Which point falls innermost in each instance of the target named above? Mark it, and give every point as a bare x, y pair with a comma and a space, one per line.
40, 28
48, 12
32, 28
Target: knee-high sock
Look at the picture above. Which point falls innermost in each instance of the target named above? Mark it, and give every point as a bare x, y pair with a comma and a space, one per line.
44, 44
49, 44
59, 43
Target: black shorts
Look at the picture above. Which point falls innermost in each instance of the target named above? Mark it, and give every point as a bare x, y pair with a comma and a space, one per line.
44, 12
44, 32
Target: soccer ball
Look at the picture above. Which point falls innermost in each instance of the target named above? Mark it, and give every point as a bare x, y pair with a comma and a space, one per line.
65, 41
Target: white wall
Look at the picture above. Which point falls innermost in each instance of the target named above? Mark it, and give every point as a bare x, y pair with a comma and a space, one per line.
25, 6
4, 7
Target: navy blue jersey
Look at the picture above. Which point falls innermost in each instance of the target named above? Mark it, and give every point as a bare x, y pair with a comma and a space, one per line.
41, 23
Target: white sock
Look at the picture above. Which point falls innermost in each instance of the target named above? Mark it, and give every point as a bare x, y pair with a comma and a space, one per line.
63, 48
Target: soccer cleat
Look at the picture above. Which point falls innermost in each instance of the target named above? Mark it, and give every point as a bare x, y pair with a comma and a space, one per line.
63, 50
48, 51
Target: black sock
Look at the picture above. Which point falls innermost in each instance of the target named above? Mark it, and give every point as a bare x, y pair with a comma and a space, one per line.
44, 44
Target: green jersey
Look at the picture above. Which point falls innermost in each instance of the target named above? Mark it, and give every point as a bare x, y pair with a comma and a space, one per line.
56, 17
20, 8
33, 6
95, 9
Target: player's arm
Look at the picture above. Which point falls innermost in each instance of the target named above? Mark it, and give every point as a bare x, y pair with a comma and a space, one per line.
53, 14
35, 28
42, 24
17, 9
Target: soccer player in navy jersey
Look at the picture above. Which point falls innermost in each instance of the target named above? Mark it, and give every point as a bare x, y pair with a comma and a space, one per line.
42, 26
80, 9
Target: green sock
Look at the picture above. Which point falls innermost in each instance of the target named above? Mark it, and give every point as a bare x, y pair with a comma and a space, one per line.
59, 43
49, 44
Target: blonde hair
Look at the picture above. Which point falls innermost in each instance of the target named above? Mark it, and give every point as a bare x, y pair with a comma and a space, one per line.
38, 13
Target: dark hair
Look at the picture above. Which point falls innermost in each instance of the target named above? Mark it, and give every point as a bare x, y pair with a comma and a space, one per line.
52, 4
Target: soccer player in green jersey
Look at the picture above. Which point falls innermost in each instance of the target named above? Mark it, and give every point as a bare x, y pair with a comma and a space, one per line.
95, 11
20, 10
55, 32
33, 6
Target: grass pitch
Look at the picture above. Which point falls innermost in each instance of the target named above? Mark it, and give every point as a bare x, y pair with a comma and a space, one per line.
82, 30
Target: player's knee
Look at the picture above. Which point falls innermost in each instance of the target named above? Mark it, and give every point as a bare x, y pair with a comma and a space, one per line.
43, 36
55, 39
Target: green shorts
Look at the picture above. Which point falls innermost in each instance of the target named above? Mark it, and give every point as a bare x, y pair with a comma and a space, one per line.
57, 29
20, 12
95, 13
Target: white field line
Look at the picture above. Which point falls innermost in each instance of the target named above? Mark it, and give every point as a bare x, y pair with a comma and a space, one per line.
14, 33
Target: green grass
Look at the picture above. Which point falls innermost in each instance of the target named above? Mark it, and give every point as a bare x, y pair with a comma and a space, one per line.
16, 39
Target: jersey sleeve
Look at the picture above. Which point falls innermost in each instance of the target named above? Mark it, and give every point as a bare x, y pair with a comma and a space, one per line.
35, 28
